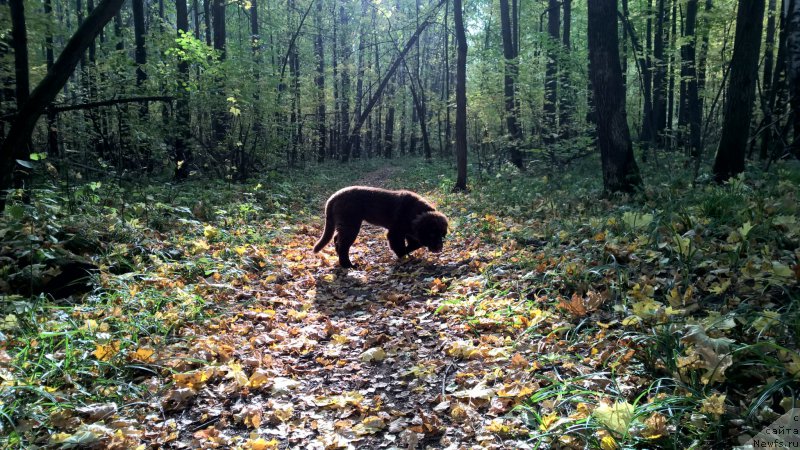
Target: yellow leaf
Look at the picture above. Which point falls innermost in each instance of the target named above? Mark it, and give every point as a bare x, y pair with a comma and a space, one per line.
647, 309
373, 354
714, 405
548, 420
194, 379
105, 352
143, 354
258, 379
631, 320
607, 442
210, 232
616, 417
282, 411
235, 372
261, 444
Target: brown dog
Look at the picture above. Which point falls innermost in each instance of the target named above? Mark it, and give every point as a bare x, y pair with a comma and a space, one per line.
412, 221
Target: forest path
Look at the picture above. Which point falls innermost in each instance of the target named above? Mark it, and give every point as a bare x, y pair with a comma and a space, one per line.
315, 356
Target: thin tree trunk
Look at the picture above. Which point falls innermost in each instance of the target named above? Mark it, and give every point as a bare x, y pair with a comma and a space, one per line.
219, 120
647, 135
319, 80
792, 19
52, 126
183, 153
766, 80
551, 77
344, 19
361, 63
620, 172
448, 146
566, 105
461, 97
730, 156
659, 74
509, 84
19, 42
692, 104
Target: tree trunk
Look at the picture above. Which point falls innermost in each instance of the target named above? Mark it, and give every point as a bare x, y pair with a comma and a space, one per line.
689, 73
566, 104
551, 76
183, 153
52, 126
766, 81
647, 135
19, 41
620, 172
362, 45
448, 147
792, 20
140, 51
461, 97
729, 161
510, 84
219, 121
659, 74
319, 80
48, 88
344, 45
388, 134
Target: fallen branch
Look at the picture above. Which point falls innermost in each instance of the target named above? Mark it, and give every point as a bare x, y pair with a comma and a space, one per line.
109, 102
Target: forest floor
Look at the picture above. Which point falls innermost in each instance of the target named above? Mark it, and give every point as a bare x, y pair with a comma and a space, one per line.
553, 318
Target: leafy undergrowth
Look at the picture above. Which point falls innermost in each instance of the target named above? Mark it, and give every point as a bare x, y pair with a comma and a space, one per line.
553, 318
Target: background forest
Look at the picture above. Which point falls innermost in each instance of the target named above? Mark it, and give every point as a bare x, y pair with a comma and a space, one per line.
621, 179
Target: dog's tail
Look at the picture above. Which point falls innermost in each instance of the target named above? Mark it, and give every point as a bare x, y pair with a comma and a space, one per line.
327, 233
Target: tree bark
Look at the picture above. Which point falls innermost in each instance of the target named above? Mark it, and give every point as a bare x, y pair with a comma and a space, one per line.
551, 75
730, 156
689, 74
620, 172
566, 104
319, 81
140, 51
461, 98
792, 20
766, 80
659, 74
19, 41
219, 122
183, 155
344, 46
48, 88
510, 83
52, 126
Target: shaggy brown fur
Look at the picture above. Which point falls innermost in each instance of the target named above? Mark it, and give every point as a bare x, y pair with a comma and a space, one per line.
412, 221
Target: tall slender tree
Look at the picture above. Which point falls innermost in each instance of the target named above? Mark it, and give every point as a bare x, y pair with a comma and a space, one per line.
551, 75
511, 70
730, 157
461, 97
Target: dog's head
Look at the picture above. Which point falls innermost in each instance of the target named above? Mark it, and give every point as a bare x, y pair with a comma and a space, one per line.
430, 228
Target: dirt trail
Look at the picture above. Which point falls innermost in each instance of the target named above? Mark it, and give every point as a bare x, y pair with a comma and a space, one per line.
349, 359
